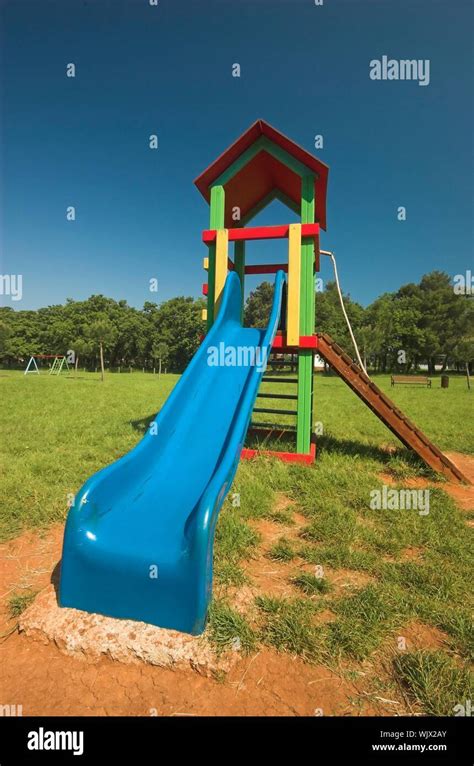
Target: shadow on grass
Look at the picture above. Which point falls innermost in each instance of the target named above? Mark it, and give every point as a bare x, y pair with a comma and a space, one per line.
142, 424
350, 448
285, 441
278, 439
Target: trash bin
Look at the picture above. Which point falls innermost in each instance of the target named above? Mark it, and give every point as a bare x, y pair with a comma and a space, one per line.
444, 381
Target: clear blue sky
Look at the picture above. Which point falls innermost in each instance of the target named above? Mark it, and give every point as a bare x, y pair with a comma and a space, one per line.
167, 70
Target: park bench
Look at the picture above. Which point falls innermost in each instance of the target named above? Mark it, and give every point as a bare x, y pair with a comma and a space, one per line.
421, 380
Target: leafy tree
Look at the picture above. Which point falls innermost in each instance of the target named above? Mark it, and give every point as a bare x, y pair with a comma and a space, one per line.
178, 324
463, 350
258, 306
103, 332
5, 332
330, 319
161, 352
82, 347
441, 311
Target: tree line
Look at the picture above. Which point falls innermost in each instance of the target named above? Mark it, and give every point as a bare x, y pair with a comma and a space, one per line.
420, 323
425, 323
122, 335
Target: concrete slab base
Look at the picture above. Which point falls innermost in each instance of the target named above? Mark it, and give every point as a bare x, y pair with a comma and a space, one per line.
92, 636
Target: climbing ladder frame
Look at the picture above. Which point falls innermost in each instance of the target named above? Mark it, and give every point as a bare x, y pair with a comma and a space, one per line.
303, 243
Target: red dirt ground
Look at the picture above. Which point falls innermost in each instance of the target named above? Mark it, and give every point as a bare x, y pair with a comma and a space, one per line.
463, 494
46, 682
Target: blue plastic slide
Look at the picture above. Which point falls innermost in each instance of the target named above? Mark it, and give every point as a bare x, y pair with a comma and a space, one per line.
139, 539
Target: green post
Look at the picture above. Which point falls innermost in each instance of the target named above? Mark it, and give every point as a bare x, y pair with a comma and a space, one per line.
239, 264
305, 356
216, 221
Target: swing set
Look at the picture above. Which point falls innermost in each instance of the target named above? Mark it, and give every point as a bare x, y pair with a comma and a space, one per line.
59, 363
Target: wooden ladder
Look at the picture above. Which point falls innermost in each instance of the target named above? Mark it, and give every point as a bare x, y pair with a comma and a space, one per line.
385, 409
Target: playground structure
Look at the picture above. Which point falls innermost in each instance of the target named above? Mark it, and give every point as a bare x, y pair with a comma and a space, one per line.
263, 165
139, 538
59, 361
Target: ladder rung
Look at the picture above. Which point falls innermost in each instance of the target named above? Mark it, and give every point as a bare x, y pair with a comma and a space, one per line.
279, 380
277, 396
276, 412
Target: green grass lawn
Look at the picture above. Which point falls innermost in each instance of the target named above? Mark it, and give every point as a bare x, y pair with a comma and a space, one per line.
58, 431
443, 414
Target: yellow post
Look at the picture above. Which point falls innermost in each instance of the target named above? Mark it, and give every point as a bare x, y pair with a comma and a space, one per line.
294, 280
222, 249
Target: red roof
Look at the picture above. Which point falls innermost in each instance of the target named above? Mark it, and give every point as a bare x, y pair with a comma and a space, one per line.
263, 174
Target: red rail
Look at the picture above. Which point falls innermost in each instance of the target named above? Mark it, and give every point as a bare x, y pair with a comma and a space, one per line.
269, 268
261, 232
287, 457
306, 341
